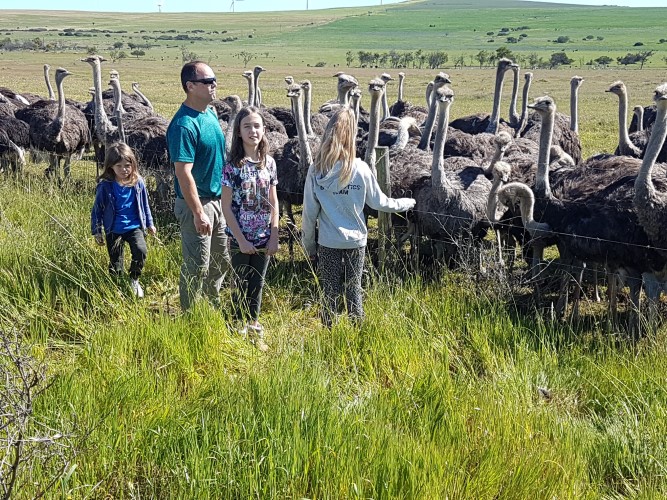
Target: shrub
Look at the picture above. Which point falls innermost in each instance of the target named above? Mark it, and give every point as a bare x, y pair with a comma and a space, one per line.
320, 64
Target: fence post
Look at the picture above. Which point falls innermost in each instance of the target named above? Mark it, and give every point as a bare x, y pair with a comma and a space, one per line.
384, 218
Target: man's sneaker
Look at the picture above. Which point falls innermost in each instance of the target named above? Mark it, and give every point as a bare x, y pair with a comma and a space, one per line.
256, 336
136, 289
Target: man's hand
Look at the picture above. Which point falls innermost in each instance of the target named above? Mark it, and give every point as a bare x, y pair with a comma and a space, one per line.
99, 239
203, 224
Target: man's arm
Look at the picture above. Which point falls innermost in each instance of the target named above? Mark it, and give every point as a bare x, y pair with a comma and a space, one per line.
189, 190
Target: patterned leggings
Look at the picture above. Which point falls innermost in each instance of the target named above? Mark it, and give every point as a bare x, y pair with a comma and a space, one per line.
338, 269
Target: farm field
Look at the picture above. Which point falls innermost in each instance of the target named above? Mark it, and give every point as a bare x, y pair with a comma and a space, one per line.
453, 387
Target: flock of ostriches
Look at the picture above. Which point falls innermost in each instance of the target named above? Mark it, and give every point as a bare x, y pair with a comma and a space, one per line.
607, 212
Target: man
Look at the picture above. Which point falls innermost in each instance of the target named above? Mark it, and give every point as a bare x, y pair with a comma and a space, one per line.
197, 149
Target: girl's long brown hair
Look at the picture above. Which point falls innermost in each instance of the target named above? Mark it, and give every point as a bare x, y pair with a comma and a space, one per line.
116, 153
236, 152
338, 145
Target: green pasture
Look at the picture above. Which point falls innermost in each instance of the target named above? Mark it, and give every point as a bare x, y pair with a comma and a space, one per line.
453, 387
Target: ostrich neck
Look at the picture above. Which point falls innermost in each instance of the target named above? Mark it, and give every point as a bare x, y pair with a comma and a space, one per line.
439, 180
385, 105
640, 119
425, 141
373, 130
306, 110
524, 104
403, 135
59, 121
342, 95
647, 199
514, 116
624, 143
356, 103
143, 98
400, 88
429, 92
256, 100
251, 91
574, 108
102, 124
495, 114
492, 203
49, 88
542, 187
527, 204
118, 110
497, 156
306, 154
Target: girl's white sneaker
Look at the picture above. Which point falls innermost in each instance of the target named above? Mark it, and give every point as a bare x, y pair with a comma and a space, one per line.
136, 288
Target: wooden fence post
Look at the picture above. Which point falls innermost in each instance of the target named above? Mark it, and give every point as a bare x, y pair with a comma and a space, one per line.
384, 218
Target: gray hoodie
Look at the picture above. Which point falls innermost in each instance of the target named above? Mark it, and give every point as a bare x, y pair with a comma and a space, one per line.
340, 209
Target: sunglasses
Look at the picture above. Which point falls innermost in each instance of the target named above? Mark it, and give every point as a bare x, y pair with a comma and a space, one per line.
205, 81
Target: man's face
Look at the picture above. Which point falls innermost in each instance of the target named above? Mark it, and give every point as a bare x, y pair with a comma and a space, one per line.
204, 85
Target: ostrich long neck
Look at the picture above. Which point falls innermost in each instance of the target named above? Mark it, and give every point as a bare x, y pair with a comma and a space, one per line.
429, 94
639, 113
648, 201
492, 202
103, 126
373, 129
514, 116
425, 141
624, 144
498, 155
342, 97
143, 98
307, 101
495, 114
403, 135
251, 89
355, 102
49, 88
257, 99
574, 107
401, 78
527, 204
542, 186
118, 108
439, 180
385, 104
524, 104
59, 120
306, 154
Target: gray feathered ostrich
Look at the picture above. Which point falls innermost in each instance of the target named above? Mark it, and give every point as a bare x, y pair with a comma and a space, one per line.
451, 205
565, 127
315, 123
440, 80
292, 165
14, 141
61, 131
484, 122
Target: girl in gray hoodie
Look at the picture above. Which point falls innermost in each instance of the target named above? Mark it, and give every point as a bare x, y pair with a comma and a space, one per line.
338, 185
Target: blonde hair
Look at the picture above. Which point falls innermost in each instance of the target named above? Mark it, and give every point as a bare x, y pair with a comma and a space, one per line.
116, 153
338, 145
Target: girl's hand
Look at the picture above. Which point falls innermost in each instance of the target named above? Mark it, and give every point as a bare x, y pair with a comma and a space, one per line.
272, 246
246, 247
99, 239
152, 230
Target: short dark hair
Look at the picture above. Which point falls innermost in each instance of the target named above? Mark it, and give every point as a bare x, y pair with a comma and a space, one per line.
189, 73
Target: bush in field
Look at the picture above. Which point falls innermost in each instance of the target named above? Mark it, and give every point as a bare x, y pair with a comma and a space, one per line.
559, 59
639, 57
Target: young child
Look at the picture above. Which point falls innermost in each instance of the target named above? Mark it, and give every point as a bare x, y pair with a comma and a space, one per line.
122, 212
338, 185
250, 207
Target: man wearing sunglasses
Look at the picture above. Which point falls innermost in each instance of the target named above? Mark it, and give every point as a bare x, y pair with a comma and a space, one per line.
197, 150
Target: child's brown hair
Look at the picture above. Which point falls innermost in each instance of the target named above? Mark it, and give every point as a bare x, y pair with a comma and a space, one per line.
117, 153
237, 152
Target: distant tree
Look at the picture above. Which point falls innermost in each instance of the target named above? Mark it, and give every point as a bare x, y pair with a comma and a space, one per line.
639, 57
117, 55
490, 33
365, 58
603, 61
638, 44
599, 38
437, 59
643, 56
406, 59
483, 56
558, 59
118, 45
245, 56
562, 39
533, 60
589, 37
512, 39
459, 62
91, 50
349, 58
421, 58
504, 52
137, 53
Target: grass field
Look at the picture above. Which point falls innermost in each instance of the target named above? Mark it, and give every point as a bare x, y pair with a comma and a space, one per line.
452, 388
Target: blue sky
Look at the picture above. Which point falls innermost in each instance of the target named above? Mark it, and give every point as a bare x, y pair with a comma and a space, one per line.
244, 5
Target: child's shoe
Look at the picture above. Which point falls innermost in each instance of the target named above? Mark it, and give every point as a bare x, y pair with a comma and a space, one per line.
136, 289
256, 336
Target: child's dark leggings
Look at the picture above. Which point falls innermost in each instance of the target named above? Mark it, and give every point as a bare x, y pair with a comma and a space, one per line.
338, 269
116, 248
249, 271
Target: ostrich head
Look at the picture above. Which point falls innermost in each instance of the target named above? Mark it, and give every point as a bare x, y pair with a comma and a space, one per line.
441, 79
257, 70
386, 77
289, 80
401, 75
544, 105
306, 85
61, 73
113, 74
294, 90
247, 74
234, 102
576, 81
502, 140
660, 95
355, 96
617, 88
528, 76
502, 171
375, 86
349, 79
93, 59
505, 64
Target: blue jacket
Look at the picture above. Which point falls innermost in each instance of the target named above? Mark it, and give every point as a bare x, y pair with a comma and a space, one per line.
104, 211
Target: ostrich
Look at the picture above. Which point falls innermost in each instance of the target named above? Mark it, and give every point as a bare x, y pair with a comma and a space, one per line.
47, 81
345, 84
451, 207
575, 83
440, 80
315, 124
250, 77
401, 81
514, 118
256, 71
647, 119
563, 134
14, 140
292, 165
625, 145
483, 122
61, 130
403, 108
528, 79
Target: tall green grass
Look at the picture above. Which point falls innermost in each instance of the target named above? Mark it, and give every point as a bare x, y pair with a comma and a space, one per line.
446, 390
